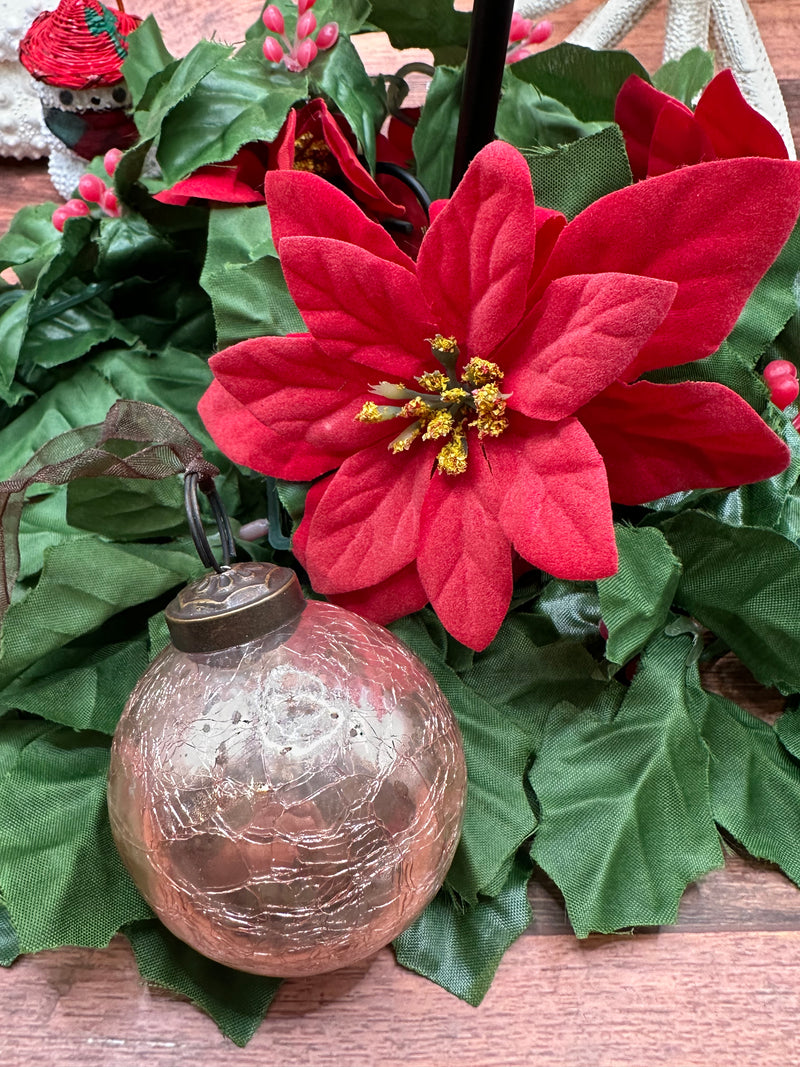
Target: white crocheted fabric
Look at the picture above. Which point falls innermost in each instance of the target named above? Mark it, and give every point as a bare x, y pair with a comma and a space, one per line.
22, 131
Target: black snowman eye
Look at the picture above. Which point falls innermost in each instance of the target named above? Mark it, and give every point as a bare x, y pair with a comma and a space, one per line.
95, 100
119, 95
65, 96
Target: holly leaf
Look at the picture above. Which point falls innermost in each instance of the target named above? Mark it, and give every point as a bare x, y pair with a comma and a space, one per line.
243, 277
433, 24
147, 58
48, 848
434, 139
585, 80
755, 782
527, 118
572, 177
625, 813
762, 623
237, 1002
461, 948
685, 78
636, 601
177, 83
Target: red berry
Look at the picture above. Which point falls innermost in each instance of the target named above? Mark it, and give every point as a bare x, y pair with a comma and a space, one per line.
601, 626
328, 35
306, 25
304, 5
60, 216
781, 377
273, 19
111, 159
272, 50
110, 204
306, 53
76, 207
91, 188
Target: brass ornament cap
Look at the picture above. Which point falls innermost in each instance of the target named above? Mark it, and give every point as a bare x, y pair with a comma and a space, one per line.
290, 804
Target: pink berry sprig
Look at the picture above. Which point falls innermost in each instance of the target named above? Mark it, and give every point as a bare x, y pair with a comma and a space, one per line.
93, 190
524, 33
302, 50
781, 378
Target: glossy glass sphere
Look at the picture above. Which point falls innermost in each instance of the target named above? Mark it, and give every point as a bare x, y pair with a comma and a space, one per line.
289, 805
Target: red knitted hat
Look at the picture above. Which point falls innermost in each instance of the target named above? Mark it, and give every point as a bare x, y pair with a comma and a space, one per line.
79, 45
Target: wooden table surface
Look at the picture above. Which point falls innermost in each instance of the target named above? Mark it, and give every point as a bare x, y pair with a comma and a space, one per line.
720, 988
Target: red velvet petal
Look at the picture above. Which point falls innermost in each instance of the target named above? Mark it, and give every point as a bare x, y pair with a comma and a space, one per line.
358, 306
366, 526
236, 182
290, 386
242, 438
397, 596
714, 228
555, 508
581, 336
678, 140
733, 127
281, 151
475, 261
304, 205
549, 225
659, 439
464, 556
636, 110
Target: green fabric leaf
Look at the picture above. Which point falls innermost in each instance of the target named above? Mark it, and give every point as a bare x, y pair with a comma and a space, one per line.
585, 80
68, 324
126, 509
179, 81
461, 948
434, 139
63, 881
82, 686
339, 73
43, 523
147, 57
573, 609
243, 277
744, 585
685, 78
30, 241
237, 1002
755, 783
571, 178
235, 102
526, 118
635, 602
625, 815
84, 583
13, 325
421, 23
9, 942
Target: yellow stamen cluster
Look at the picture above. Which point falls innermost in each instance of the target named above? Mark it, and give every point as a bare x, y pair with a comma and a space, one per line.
443, 409
313, 154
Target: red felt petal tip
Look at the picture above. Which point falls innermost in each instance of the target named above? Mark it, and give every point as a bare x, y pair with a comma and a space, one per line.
733, 127
389, 600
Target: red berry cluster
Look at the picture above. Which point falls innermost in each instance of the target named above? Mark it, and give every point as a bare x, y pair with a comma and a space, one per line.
781, 378
298, 53
94, 191
524, 33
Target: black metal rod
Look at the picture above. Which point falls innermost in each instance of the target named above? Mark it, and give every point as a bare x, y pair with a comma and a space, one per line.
483, 77
191, 499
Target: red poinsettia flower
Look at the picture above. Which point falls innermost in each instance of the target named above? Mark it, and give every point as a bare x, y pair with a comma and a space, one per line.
311, 139
451, 404
662, 134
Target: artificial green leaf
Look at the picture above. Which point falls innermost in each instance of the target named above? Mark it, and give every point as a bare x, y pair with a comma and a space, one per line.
237, 1002
685, 78
130, 245
236, 102
744, 585
84, 686
15, 734
178, 83
430, 24
67, 325
31, 240
572, 177
147, 57
435, 136
625, 814
43, 523
127, 509
9, 942
13, 326
340, 74
63, 881
635, 601
498, 817
83, 584
587, 81
755, 782
526, 118
460, 948
573, 609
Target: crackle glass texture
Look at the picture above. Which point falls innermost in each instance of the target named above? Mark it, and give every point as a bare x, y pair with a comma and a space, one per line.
288, 806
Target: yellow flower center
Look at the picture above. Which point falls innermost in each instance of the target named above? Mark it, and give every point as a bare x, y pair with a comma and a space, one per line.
441, 408
313, 154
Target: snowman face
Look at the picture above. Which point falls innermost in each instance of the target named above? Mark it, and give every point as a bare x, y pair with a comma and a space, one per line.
98, 98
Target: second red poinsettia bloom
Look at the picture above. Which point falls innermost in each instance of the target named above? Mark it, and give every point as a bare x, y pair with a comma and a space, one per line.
662, 134
446, 405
